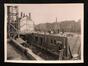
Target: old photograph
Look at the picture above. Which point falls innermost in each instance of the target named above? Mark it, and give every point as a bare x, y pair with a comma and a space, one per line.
44, 33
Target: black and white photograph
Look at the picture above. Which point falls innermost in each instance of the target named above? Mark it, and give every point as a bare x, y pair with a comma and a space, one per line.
44, 33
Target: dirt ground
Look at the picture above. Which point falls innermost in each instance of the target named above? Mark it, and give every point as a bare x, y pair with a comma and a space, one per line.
14, 54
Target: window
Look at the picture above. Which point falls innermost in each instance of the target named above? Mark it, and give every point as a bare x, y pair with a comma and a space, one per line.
51, 41
41, 40
36, 39
54, 41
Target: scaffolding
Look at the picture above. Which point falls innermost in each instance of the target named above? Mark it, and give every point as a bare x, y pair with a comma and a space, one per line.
13, 22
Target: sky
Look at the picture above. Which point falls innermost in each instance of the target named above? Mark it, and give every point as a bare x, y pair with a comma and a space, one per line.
43, 13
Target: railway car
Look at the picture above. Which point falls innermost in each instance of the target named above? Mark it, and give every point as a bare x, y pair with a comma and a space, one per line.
54, 44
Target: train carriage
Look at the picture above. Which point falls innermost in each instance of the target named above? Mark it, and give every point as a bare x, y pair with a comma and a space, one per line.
54, 44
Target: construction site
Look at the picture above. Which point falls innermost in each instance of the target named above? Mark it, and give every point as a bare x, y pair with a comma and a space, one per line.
24, 43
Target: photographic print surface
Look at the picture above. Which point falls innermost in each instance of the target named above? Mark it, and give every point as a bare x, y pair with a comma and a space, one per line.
44, 33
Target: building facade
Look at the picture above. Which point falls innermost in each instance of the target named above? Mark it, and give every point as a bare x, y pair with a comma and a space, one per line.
26, 23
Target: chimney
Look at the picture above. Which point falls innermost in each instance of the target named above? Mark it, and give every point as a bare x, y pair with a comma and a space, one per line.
56, 19
21, 14
24, 15
29, 15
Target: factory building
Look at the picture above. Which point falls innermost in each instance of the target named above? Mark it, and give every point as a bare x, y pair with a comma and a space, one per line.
26, 23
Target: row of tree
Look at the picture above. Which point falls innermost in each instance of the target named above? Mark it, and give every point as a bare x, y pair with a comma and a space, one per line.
64, 26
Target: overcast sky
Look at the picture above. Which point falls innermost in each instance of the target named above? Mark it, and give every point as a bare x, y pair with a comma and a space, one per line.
42, 13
